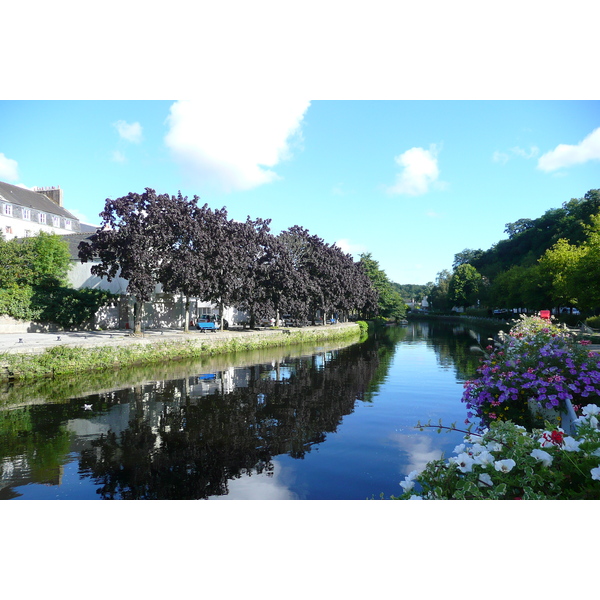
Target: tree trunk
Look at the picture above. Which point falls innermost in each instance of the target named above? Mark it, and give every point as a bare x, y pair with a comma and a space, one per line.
186, 318
138, 313
221, 311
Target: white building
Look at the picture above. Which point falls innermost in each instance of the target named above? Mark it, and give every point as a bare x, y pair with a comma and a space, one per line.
24, 212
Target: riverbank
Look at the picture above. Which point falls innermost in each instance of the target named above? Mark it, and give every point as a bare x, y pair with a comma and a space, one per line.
461, 318
33, 355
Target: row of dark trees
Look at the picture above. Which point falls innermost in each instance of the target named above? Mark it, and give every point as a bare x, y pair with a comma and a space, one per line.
547, 262
150, 239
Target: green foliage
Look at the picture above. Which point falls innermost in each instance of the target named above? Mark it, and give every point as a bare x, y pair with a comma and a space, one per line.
465, 286
390, 302
364, 326
530, 238
553, 260
61, 305
593, 322
412, 291
68, 307
41, 260
574, 269
438, 297
16, 302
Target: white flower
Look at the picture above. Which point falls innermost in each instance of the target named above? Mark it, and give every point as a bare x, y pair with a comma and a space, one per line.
484, 458
590, 409
409, 483
464, 462
494, 447
485, 480
413, 497
595, 473
541, 455
477, 449
571, 444
505, 465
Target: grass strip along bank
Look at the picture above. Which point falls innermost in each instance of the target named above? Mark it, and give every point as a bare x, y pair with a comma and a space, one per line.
66, 360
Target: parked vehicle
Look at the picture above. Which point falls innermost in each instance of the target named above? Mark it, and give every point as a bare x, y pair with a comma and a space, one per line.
207, 323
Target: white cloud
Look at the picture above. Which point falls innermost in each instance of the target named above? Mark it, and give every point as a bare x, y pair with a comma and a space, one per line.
349, 248
233, 143
533, 151
132, 132
503, 158
419, 171
565, 155
8, 168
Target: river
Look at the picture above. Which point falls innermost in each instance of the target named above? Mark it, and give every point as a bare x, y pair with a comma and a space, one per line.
300, 423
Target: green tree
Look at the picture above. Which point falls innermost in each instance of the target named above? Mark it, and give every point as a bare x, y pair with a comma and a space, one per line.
438, 297
467, 256
41, 260
465, 286
390, 302
560, 263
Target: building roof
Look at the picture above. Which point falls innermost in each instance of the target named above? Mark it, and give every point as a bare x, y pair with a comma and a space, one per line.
36, 200
74, 239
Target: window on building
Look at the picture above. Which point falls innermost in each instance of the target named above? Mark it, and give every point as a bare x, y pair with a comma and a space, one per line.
42, 217
55, 221
68, 224
8, 210
8, 229
27, 214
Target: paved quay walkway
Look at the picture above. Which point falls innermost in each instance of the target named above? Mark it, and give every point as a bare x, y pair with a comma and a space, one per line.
34, 343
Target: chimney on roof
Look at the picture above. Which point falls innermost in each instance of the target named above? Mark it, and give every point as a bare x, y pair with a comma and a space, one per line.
54, 193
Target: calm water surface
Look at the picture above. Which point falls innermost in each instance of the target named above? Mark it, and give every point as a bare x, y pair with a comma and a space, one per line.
298, 424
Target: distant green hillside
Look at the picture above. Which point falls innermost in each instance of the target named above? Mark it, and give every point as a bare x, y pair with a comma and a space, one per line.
411, 291
528, 239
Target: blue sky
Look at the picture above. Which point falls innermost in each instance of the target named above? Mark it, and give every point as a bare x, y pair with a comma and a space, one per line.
412, 182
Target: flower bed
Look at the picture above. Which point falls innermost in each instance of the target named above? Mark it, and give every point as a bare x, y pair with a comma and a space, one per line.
536, 362
540, 365
506, 462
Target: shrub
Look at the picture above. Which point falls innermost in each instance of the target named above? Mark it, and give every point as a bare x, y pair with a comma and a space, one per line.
364, 326
15, 301
593, 322
68, 307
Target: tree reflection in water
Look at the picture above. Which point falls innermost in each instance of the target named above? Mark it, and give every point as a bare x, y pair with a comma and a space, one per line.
200, 440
